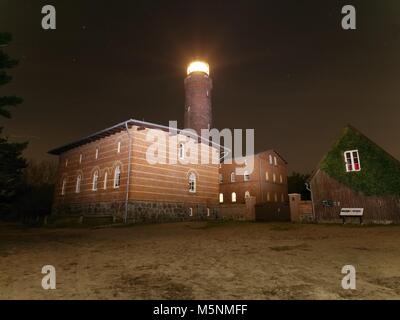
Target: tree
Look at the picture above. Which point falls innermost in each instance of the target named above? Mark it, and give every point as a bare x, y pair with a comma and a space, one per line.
297, 184
12, 162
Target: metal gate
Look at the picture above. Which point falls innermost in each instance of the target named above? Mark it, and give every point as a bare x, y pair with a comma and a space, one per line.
269, 212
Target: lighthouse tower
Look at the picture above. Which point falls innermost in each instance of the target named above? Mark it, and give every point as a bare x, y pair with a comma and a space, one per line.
198, 86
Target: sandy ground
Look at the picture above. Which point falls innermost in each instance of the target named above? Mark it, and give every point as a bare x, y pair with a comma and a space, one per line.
201, 260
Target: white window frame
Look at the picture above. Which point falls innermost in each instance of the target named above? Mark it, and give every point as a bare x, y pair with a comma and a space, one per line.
246, 176
95, 180
78, 184
352, 163
247, 194
117, 177
119, 147
275, 161
80, 158
96, 156
221, 198
280, 178
274, 177
181, 151
190, 212
270, 159
233, 176
266, 176
192, 182
233, 197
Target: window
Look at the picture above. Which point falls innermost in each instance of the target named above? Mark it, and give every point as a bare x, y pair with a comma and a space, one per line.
192, 183
97, 153
247, 194
181, 151
282, 198
233, 196
280, 178
191, 212
352, 160
275, 161
221, 198
63, 186
233, 178
105, 180
221, 178
276, 197
78, 184
119, 147
80, 158
95, 179
246, 176
270, 159
117, 177
274, 177
66, 162
266, 176
268, 197
208, 212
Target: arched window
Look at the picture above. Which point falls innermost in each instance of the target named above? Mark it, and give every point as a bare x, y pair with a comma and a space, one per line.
233, 177
221, 198
63, 186
181, 151
105, 180
233, 196
246, 176
247, 194
78, 184
268, 197
192, 182
80, 158
117, 177
95, 179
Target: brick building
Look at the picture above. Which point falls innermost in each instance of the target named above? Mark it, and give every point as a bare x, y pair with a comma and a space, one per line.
267, 182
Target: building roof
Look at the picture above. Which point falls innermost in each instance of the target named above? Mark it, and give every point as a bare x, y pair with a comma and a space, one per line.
127, 124
258, 154
380, 171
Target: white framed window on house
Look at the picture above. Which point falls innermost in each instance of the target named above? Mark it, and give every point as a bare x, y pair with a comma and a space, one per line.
221, 198
192, 182
181, 151
275, 161
268, 196
96, 155
80, 158
246, 176
95, 180
233, 177
352, 160
191, 212
274, 177
221, 178
117, 177
280, 178
270, 159
119, 147
266, 176
105, 180
63, 186
208, 212
233, 196
66, 162
78, 184
247, 194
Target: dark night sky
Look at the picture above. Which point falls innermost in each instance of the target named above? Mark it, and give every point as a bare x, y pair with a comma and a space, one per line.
284, 68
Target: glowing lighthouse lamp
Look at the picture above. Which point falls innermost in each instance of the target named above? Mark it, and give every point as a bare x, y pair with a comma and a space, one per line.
198, 66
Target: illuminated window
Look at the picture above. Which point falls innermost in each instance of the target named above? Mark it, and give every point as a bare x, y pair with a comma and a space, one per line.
192, 183
181, 151
208, 212
78, 184
247, 194
274, 177
268, 197
105, 180
97, 153
246, 176
280, 178
221, 198
63, 186
221, 178
352, 161
117, 177
233, 196
233, 177
119, 147
191, 212
270, 159
80, 158
275, 161
266, 176
95, 179
66, 162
